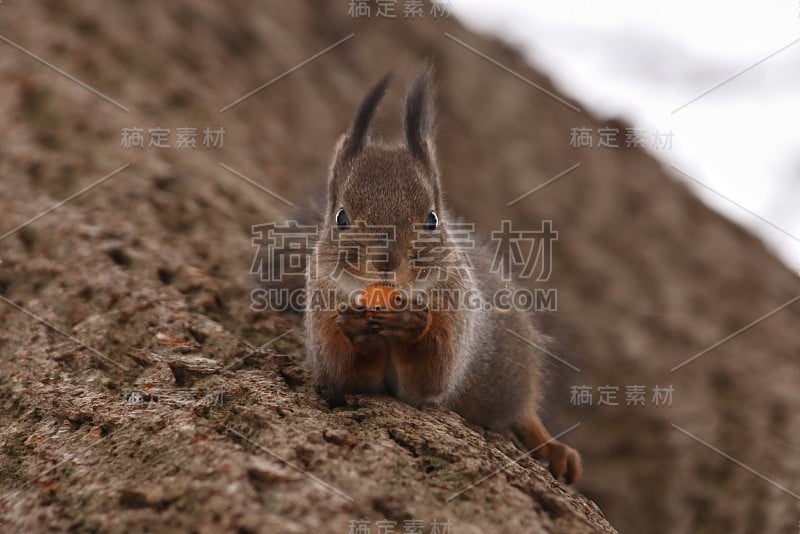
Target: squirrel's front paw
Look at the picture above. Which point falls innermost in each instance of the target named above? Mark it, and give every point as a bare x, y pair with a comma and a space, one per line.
354, 322
406, 325
565, 462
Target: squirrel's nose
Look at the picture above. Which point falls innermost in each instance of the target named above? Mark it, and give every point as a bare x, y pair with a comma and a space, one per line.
388, 263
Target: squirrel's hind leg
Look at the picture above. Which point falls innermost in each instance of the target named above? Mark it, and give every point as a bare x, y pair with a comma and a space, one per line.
564, 461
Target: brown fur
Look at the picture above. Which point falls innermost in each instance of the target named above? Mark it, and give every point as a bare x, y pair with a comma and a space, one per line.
461, 359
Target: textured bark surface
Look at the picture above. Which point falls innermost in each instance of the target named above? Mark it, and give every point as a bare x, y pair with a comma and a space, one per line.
176, 419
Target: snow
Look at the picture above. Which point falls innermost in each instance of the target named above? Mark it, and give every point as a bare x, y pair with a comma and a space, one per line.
646, 61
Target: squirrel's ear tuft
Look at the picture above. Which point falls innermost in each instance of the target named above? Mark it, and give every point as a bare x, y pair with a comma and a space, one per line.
356, 136
419, 118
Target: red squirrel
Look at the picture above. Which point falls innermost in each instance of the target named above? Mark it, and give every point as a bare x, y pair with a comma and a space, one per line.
421, 351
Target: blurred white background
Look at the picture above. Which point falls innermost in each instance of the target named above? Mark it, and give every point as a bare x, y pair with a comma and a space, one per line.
644, 60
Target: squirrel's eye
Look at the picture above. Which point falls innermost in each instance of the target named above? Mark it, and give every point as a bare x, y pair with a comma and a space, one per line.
432, 222
341, 219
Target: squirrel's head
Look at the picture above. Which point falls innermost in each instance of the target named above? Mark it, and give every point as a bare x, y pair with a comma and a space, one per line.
384, 200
